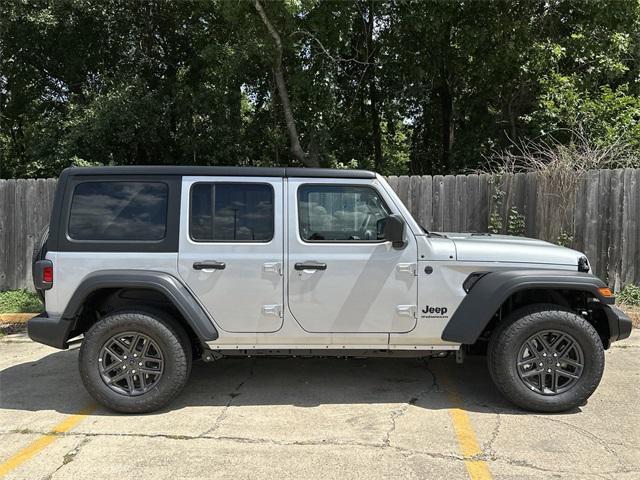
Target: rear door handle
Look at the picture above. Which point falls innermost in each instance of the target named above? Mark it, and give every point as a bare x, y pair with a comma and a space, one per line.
209, 265
310, 266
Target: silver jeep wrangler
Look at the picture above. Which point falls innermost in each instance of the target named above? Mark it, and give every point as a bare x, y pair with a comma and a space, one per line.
153, 267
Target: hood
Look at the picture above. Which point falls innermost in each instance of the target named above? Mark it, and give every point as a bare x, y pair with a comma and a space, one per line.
504, 248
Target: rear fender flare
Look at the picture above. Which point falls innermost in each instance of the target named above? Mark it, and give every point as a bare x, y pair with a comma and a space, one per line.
162, 282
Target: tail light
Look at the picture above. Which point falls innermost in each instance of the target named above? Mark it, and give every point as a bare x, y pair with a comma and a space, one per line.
47, 274
43, 275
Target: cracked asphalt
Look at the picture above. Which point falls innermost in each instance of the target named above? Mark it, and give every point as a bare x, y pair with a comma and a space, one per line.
314, 418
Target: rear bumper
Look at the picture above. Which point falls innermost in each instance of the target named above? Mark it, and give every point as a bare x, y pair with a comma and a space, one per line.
619, 324
49, 330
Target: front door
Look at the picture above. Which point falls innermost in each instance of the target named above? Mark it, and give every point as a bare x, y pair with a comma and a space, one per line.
231, 249
343, 277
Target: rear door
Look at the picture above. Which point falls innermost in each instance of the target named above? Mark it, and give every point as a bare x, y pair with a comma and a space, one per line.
343, 277
231, 249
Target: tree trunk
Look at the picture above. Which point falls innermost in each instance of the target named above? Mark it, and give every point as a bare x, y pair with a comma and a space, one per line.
292, 131
373, 92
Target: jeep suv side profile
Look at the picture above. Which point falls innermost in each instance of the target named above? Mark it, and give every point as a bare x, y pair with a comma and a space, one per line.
154, 267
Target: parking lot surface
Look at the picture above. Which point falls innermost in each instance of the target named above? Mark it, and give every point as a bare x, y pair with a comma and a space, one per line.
313, 418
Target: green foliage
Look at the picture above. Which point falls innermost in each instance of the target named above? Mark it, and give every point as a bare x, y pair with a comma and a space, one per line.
497, 195
19, 301
565, 239
495, 223
629, 295
419, 87
516, 222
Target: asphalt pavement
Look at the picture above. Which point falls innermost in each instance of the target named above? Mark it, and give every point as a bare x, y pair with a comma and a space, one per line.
313, 418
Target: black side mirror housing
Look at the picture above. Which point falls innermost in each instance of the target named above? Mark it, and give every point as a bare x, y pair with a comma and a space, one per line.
394, 231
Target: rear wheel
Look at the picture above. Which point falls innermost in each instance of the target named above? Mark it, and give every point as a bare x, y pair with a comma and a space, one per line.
135, 361
546, 359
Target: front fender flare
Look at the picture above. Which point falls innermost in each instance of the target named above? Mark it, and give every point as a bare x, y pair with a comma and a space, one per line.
489, 293
162, 282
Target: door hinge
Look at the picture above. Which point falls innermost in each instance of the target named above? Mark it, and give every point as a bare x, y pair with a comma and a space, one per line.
406, 310
272, 310
272, 267
411, 268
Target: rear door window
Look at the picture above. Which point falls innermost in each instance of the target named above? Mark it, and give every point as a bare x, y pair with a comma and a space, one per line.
231, 212
119, 211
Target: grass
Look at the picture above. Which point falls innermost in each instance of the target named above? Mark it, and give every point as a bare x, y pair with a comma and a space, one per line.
629, 295
19, 301
628, 300
633, 312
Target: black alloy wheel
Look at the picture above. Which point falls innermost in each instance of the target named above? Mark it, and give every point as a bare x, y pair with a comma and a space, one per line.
131, 363
550, 362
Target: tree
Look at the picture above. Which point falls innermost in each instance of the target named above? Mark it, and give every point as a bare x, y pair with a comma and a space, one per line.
296, 148
399, 86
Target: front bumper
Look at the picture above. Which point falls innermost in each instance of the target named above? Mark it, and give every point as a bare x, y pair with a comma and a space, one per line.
52, 331
619, 324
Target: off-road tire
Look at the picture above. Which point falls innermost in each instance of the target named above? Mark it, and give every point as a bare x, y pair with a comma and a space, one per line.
507, 340
169, 336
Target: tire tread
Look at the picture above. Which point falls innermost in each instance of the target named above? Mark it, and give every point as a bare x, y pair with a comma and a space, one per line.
178, 346
526, 320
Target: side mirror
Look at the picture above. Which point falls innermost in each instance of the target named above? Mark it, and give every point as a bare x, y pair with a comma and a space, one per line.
394, 231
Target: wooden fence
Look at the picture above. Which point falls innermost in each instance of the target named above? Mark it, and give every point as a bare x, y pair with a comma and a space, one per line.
599, 214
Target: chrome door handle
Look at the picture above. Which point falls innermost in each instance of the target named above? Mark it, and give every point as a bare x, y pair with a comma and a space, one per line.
310, 266
209, 265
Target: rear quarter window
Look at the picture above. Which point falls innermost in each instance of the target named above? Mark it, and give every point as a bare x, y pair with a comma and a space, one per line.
119, 211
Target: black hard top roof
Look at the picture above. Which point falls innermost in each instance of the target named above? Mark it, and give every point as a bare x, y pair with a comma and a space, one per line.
221, 171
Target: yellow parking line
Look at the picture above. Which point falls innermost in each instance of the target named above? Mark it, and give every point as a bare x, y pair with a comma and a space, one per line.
36, 446
467, 440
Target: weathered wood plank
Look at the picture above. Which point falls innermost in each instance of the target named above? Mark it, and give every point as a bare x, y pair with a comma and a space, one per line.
636, 253
4, 233
19, 228
591, 238
472, 220
460, 205
614, 229
392, 180
414, 195
531, 201
604, 223
484, 198
449, 204
403, 189
10, 237
438, 203
580, 215
425, 209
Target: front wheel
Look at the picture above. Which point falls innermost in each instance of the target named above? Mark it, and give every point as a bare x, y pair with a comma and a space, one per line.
135, 361
546, 359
